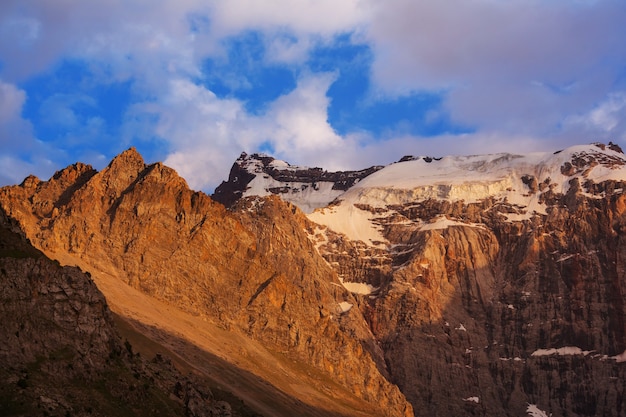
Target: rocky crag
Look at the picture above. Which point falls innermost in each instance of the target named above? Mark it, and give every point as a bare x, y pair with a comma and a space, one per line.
60, 352
251, 275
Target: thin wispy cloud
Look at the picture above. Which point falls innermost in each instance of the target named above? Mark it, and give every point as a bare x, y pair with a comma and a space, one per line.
332, 84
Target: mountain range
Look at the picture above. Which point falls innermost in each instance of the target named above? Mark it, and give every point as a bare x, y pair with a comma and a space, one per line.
488, 285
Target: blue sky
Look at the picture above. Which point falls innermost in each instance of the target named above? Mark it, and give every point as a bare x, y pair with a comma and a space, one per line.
341, 85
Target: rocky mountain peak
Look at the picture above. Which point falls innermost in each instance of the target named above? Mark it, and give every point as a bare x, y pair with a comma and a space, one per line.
308, 188
130, 157
121, 171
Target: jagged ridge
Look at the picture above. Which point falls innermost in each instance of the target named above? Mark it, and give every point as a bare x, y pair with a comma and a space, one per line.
140, 225
308, 188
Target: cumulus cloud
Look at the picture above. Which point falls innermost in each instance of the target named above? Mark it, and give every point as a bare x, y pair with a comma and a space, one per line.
15, 132
515, 65
11, 101
307, 17
605, 121
610, 114
296, 123
439, 45
16, 140
208, 133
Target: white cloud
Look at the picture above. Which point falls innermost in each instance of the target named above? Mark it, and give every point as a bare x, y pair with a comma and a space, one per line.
11, 101
15, 169
206, 133
288, 50
608, 115
438, 45
606, 121
314, 17
296, 123
16, 139
15, 132
515, 65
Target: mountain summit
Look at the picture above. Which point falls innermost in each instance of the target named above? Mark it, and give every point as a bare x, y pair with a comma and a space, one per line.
475, 285
308, 188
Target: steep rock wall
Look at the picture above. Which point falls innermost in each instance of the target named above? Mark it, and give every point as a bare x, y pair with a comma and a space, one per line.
466, 313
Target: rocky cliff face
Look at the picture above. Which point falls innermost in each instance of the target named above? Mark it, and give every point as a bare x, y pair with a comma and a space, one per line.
60, 353
501, 305
481, 285
251, 272
493, 284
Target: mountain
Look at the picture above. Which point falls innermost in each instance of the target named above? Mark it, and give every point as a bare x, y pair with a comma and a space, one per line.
494, 284
241, 298
308, 188
478, 285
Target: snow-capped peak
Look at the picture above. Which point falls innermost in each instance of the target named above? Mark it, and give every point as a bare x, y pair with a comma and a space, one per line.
517, 179
307, 188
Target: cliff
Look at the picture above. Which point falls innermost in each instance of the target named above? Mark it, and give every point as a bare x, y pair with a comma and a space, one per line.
499, 289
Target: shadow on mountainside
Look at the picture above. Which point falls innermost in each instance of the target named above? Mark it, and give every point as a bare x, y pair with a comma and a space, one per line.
242, 389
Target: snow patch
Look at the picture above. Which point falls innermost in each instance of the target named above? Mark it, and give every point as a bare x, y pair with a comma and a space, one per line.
461, 328
350, 221
472, 399
564, 351
620, 358
277, 163
307, 196
515, 359
443, 222
345, 306
359, 288
565, 257
534, 411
